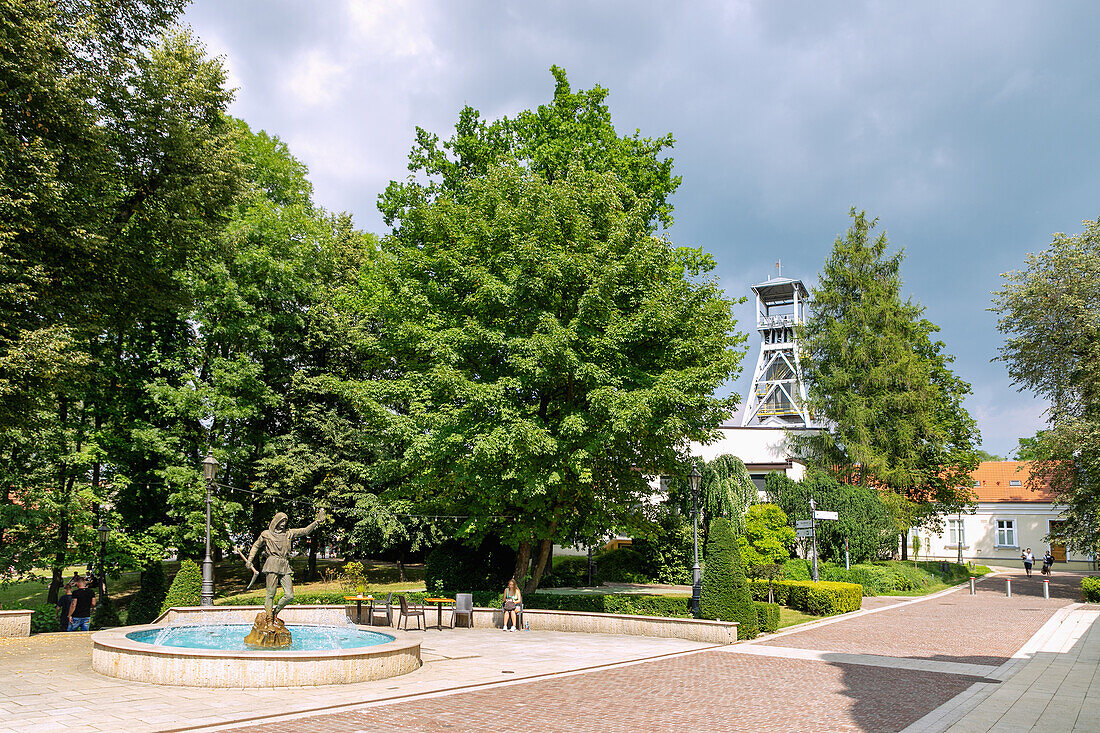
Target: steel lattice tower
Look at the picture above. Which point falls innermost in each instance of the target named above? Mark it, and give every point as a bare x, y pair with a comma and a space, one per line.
777, 396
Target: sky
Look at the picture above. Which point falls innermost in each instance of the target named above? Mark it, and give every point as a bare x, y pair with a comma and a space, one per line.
968, 129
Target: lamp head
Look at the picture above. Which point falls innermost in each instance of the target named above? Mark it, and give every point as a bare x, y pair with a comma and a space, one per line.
695, 477
210, 466
103, 531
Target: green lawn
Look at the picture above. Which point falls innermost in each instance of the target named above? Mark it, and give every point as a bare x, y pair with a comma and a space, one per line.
791, 617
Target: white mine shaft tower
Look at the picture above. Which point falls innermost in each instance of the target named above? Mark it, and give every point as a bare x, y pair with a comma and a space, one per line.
777, 397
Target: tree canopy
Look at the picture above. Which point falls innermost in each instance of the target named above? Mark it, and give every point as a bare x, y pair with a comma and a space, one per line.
551, 350
1050, 316
886, 390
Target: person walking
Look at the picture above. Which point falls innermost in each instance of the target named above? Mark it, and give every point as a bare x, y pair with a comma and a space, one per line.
63, 604
1029, 560
1048, 560
80, 609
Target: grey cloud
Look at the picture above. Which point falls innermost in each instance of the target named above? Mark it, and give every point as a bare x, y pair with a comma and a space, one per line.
968, 128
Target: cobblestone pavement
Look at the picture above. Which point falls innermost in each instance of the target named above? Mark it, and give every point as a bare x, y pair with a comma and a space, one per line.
730, 690
704, 691
986, 628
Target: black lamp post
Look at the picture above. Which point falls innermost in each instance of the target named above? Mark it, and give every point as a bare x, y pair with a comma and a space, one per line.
696, 576
103, 531
210, 471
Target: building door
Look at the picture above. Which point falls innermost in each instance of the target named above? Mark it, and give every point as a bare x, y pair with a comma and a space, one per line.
1057, 550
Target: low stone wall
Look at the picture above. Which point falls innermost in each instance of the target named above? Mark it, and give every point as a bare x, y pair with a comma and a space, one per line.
116, 655
709, 632
15, 623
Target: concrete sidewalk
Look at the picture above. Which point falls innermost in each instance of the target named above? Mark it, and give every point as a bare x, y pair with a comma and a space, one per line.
1051, 684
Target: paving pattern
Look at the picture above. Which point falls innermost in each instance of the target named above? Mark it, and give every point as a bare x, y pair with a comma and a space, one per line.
836, 676
902, 662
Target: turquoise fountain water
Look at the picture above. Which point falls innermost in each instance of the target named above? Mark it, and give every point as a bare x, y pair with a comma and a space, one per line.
230, 637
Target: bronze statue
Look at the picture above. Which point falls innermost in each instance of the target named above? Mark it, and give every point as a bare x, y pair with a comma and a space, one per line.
269, 630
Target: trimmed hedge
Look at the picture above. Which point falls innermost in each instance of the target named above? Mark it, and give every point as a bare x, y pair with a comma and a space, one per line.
881, 578
818, 599
482, 598
629, 604
186, 588
570, 571
725, 593
1090, 589
767, 617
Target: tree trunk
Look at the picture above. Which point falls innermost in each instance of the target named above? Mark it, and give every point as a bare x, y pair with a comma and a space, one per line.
904, 548
523, 561
401, 568
540, 565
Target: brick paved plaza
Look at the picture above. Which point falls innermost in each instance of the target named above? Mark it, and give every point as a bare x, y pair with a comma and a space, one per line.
921, 662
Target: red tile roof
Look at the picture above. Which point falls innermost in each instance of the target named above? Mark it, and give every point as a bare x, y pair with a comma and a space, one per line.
994, 481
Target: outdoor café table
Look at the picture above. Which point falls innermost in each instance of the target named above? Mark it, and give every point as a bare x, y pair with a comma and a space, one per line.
439, 606
359, 607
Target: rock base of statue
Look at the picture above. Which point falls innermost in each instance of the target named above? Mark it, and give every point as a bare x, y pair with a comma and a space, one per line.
268, 632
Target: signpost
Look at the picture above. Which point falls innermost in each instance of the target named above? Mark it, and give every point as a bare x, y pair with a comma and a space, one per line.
808, 528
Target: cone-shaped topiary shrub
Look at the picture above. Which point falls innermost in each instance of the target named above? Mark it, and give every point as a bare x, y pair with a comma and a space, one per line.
186, 589
725, 593
145, 607
105, 615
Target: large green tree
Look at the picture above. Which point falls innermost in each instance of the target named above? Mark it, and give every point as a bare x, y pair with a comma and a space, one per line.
118, 164
883, 386
550, 349
1050, 316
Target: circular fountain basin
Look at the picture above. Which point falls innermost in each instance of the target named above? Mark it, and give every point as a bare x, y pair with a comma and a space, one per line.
214, 655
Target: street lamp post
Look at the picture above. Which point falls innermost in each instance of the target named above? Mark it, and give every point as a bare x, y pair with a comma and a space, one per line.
210, 471
103, 531
696, 576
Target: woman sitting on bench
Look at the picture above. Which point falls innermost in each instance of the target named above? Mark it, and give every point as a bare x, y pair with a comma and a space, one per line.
513, 606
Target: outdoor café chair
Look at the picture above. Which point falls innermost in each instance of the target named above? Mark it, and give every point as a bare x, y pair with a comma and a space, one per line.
406, 612
464, 606
386, 608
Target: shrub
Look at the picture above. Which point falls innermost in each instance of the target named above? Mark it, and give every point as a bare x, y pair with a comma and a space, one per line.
482, 599
570, 571
105, 615
145, 606
818, 599
456, 565
1090, 589
767, 617
768, 538
624, 565
725, 592
44, 619
186, 587
630, 604
864, 520
668, 552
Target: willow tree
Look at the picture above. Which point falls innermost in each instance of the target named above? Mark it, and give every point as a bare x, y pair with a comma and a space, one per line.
882, 384
550, 348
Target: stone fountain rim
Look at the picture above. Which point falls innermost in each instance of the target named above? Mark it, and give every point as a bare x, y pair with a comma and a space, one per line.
115, 639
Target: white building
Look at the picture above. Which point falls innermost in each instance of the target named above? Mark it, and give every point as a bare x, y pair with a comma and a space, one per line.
1008, 519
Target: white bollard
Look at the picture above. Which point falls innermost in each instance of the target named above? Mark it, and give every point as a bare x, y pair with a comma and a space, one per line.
1008, 588
972, 591
1046, 589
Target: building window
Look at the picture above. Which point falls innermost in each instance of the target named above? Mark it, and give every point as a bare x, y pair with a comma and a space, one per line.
956, 533
977, 484
1006, 533
1015, 482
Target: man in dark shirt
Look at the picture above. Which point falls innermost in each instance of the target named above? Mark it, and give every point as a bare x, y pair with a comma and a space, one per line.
63, 605
80, 610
